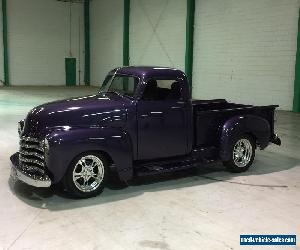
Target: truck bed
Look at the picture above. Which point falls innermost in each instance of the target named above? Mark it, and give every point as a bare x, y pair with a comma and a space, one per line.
210, 116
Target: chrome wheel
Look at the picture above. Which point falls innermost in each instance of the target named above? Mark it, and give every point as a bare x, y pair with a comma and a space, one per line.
242, 153
88, 173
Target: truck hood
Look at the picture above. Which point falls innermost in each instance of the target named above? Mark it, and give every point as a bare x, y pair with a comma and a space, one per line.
83, 111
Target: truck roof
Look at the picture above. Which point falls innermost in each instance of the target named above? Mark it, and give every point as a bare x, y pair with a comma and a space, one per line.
151, 71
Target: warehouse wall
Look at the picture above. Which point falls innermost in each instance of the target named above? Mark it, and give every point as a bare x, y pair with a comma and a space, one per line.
106, 21
1, 48
39, 41
245, 50
157, 32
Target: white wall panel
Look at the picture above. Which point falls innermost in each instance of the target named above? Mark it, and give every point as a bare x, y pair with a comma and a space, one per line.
157, 32
1, 48
39, 40
106, 38
245, 50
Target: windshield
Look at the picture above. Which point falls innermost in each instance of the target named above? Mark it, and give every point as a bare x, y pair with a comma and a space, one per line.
123, 85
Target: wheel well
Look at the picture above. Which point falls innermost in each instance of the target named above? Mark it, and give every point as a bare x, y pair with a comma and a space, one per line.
105, 154
253, 137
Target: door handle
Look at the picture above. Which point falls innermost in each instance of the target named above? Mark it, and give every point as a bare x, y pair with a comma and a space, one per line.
152, 113
156, 113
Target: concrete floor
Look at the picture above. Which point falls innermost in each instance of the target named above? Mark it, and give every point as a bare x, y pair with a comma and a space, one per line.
204, 210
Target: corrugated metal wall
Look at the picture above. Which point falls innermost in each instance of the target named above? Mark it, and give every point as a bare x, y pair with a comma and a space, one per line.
39, 40
106, 38
157, 32
245, 50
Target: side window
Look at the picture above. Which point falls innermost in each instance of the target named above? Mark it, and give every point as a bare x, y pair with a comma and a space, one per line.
162, 89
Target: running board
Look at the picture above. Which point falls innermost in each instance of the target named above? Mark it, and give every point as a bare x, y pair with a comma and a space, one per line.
196, 158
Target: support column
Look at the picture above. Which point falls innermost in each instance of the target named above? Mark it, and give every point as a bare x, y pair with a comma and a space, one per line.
5, 44
87, 55
296, 104
126, 33
190, 16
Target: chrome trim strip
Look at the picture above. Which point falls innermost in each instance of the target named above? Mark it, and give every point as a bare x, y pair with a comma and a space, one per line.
22, 152
22, 159
156, 112
30, 139
32, 155
32, 146
35, 181
25, 167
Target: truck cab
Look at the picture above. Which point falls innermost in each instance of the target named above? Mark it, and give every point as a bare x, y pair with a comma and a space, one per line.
142, 122
163, 111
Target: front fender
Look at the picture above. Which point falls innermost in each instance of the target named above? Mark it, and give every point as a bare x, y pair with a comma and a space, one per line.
239, 125
64, 145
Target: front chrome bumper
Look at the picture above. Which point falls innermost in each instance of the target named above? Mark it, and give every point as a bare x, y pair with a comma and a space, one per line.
32, 179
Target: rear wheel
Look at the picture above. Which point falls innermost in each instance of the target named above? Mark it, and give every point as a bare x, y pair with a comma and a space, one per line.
242, 154
86, 175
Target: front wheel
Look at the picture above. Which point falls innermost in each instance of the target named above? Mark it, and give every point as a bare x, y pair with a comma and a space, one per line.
86, 175
242, 154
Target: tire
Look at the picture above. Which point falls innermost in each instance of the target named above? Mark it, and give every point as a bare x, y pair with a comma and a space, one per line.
242, 154
86, 175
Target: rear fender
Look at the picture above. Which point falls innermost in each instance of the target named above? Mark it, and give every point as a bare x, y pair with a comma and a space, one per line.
256, 126
64, 145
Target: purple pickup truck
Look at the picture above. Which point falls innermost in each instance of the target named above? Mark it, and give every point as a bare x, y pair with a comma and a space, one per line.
142, 122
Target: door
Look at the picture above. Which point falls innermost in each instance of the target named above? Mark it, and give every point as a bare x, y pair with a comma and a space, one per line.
161, 123
70, 67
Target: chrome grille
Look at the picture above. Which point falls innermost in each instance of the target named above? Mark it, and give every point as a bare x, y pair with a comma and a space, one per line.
32, 156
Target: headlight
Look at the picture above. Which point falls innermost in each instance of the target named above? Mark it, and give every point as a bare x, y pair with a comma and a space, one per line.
21, 125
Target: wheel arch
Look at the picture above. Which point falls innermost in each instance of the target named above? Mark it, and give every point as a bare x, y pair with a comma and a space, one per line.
105, 154
253, 136
256, 127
